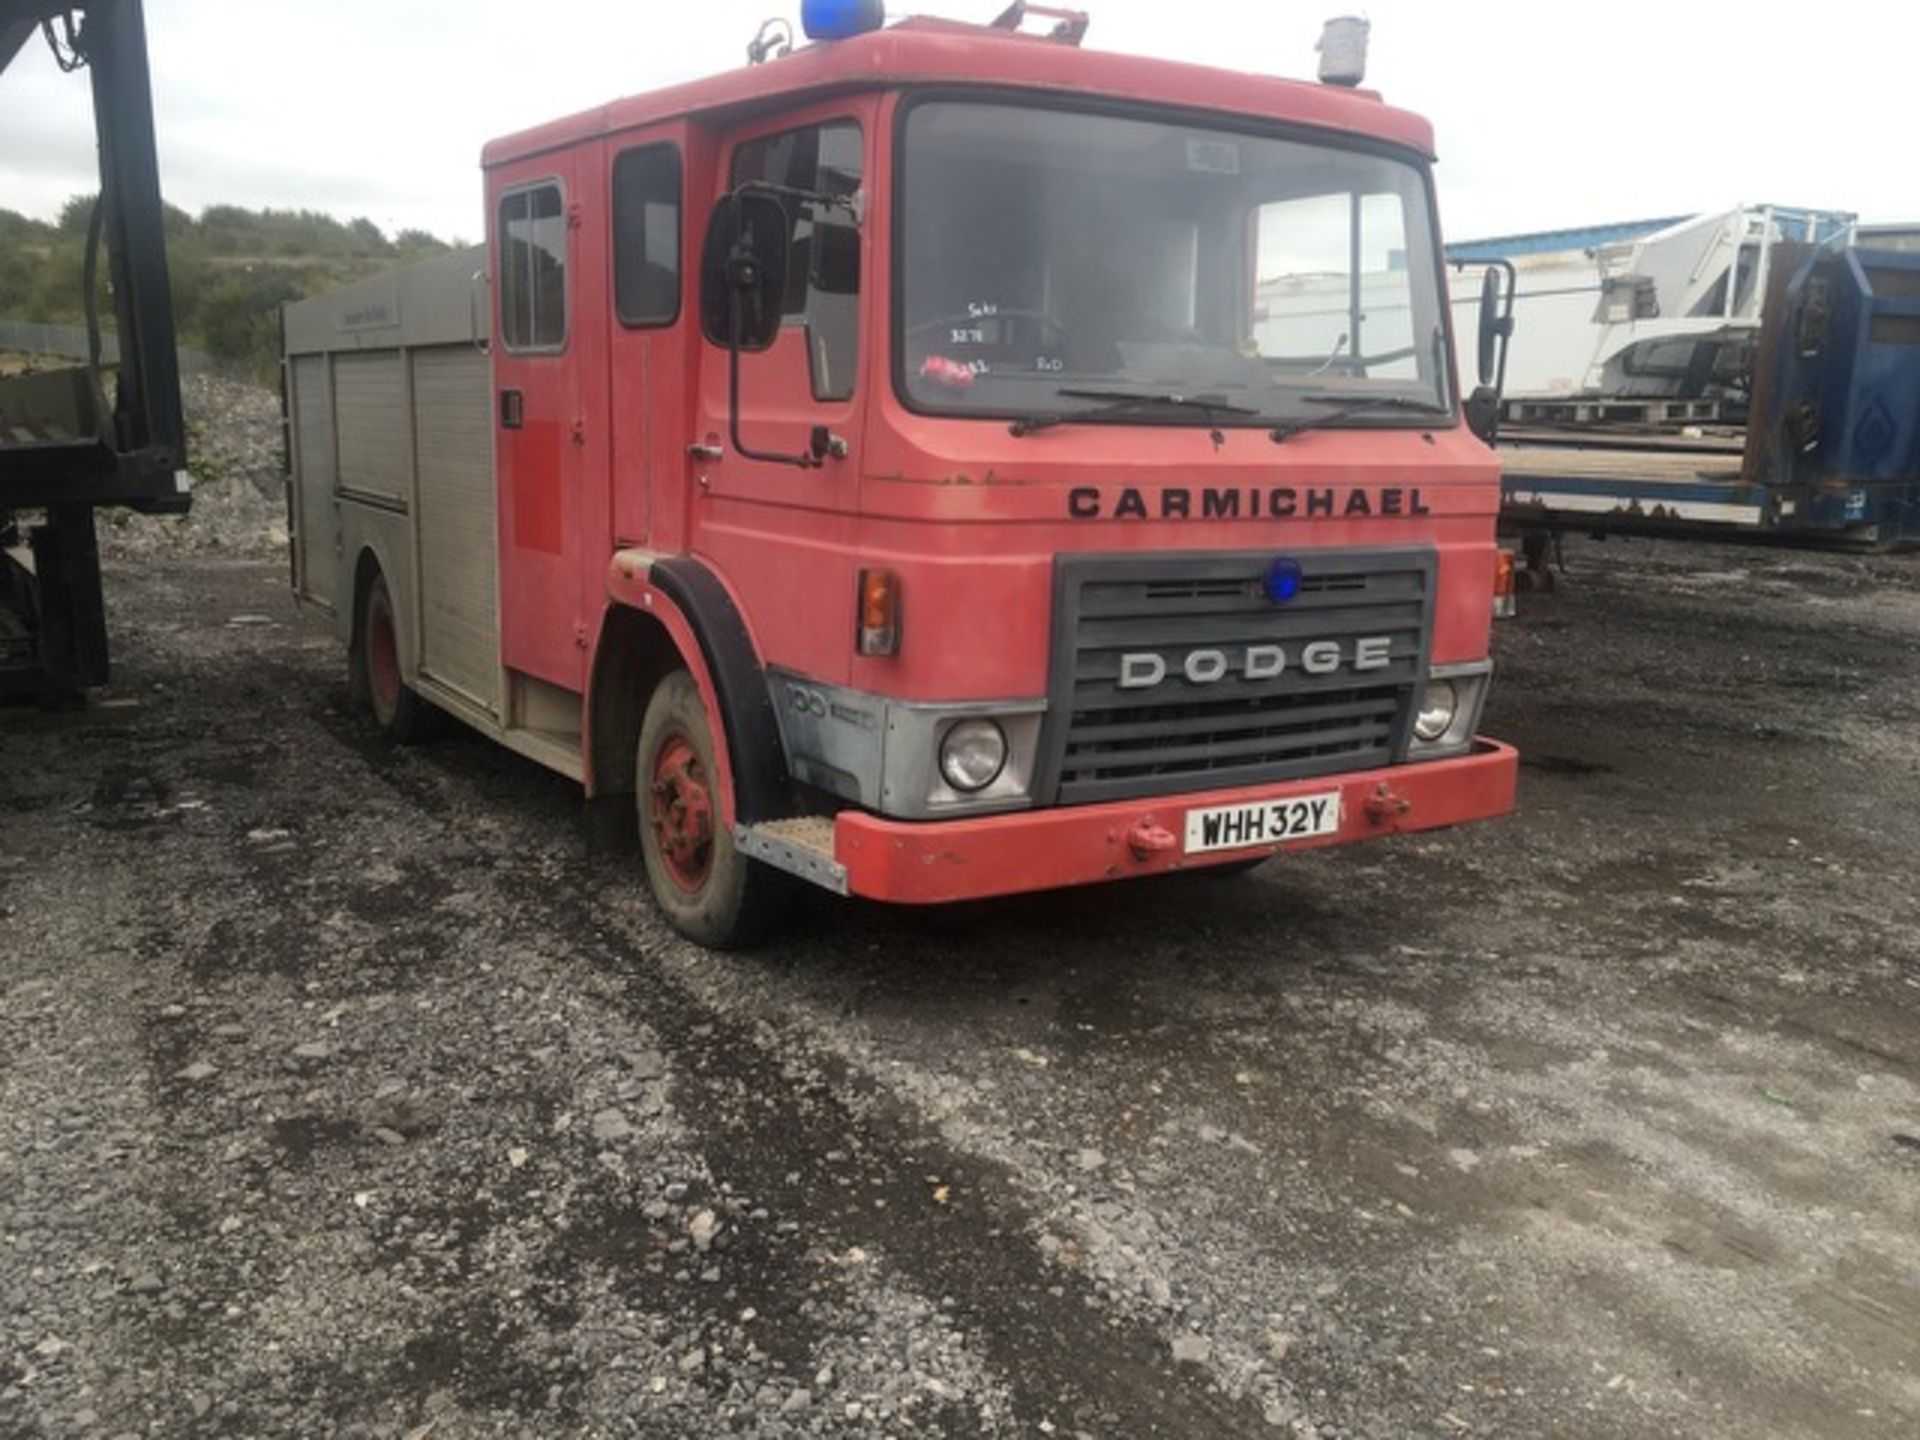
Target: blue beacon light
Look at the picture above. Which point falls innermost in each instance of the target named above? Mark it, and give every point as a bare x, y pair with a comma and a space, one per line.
1283, 581
841, 19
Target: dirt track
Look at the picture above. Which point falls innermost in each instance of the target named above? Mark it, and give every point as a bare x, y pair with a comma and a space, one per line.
342, 1092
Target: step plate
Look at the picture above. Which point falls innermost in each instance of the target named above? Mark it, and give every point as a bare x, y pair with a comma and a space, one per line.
802, 847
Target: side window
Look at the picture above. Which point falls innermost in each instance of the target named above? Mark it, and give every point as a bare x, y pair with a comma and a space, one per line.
533, 269
646, 235
823, 265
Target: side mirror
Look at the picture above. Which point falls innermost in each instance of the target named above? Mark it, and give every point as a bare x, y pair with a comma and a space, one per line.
1483, 413
743, 271
1495, 330
743, 291
1495, 326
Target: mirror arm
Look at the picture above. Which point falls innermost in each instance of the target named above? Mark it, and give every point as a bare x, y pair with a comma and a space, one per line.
807, 460
793, 192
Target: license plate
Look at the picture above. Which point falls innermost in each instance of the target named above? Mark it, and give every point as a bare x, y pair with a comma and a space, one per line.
1262, 822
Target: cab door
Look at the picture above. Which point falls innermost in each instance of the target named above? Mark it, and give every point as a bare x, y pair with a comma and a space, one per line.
784, 534
541, 424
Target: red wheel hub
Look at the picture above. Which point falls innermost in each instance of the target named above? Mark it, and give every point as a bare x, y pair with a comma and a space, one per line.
681, 809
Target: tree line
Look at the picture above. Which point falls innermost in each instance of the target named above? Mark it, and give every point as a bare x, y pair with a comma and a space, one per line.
231, 269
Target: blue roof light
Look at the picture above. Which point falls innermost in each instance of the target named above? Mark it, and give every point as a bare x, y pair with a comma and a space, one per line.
841, 19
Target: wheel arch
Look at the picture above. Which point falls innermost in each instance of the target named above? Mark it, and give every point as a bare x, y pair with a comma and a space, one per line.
635, 653
669, 614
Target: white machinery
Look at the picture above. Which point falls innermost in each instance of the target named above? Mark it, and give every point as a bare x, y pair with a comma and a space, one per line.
1654, 310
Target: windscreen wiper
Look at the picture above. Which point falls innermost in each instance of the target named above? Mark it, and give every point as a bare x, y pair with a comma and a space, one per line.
1119, 402
1351, 405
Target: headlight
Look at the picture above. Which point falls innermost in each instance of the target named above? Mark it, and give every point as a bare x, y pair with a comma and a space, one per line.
1437, 709
972, 754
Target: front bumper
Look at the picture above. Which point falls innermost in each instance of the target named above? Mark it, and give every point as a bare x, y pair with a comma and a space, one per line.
928, 862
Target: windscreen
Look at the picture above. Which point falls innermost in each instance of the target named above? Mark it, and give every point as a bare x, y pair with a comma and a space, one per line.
1047, 252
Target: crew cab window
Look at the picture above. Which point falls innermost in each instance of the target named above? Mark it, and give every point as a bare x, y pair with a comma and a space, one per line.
533, 269
823, 264
646, 235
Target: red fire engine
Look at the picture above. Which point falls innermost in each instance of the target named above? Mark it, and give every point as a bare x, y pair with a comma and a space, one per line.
937, 462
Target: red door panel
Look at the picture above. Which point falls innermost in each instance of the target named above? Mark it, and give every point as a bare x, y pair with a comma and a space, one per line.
545, 463
535, 486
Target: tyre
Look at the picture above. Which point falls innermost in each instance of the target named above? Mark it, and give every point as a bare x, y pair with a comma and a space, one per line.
403, 717
708, 890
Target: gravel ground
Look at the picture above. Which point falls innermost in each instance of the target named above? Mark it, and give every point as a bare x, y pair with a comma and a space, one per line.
342, 1092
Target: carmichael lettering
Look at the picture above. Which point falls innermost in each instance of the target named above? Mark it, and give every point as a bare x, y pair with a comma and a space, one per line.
1242, 502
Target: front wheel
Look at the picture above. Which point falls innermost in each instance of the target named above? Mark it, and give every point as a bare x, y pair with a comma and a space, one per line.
710, 892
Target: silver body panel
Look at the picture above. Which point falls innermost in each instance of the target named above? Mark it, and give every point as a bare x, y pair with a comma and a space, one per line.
457, 502
390, 390
884, 754
373, 430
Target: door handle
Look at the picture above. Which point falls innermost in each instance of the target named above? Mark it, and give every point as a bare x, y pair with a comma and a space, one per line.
513, 409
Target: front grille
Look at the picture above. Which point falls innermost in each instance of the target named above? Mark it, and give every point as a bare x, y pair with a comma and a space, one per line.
1208, 723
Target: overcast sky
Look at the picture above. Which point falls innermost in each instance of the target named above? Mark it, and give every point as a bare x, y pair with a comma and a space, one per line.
1547, 113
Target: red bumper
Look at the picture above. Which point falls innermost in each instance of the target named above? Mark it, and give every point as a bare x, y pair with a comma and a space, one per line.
928, 862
